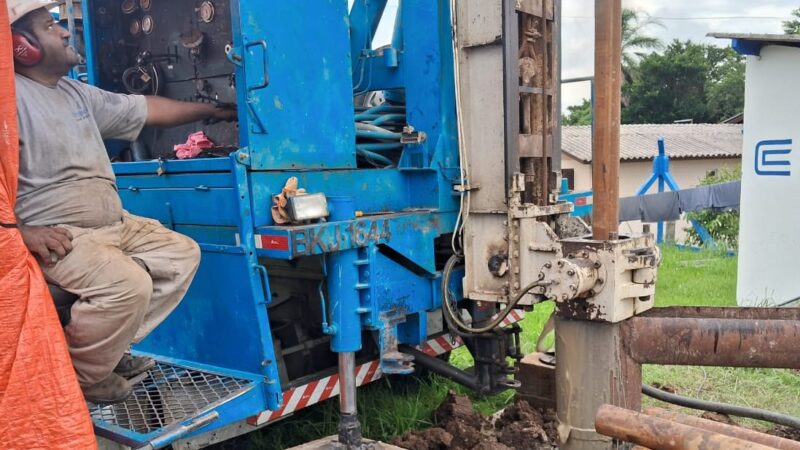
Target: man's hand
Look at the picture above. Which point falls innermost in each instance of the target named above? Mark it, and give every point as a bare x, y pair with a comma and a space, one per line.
225, 113
48, 244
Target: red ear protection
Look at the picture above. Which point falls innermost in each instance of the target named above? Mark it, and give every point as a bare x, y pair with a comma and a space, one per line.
27, 51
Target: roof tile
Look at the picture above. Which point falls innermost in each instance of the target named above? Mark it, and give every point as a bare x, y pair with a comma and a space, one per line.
640, 142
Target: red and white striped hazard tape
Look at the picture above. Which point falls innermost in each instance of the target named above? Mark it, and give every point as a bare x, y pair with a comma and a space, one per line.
316, 391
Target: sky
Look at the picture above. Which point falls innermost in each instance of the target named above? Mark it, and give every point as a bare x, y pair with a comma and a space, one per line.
682, 19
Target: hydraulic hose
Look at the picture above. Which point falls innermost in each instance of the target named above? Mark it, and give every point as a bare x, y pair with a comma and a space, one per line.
448, 304
721, 408
372, 157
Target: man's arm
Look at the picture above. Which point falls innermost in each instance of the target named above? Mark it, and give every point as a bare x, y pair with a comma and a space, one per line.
165, 112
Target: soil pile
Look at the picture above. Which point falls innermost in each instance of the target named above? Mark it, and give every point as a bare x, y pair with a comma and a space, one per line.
785, 432
460, 427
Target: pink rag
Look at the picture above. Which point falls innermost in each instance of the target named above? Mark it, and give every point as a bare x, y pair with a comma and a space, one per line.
195, 145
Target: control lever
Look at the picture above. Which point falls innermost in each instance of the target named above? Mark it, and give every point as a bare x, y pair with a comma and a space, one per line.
215, 101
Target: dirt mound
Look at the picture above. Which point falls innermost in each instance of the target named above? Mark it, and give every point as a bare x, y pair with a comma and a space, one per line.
460, 427
785, 432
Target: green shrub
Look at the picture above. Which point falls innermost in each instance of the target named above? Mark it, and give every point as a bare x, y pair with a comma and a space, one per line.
723, 226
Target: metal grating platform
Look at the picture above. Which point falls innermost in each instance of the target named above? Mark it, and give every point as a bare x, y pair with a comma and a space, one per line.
168, 394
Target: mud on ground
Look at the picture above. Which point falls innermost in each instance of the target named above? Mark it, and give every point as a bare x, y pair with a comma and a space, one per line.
460, 427
785, 432
519, 426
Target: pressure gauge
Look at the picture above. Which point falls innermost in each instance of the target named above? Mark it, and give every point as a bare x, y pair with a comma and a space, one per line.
135, 28
145, 4
128, 6
148, 24
206, 11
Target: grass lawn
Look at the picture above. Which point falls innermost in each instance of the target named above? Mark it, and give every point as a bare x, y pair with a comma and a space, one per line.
392, 406
705, 279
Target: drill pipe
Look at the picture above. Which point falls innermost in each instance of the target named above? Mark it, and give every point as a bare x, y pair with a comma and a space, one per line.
608, 93
660, 434
728, 430
725, 337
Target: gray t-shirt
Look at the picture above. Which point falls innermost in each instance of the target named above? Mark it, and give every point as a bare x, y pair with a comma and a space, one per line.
65, 176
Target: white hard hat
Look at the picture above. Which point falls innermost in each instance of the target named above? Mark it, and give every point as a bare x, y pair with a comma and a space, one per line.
62, 10
18, 8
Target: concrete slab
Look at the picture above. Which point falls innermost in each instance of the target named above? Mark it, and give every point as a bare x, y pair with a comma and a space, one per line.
331, 443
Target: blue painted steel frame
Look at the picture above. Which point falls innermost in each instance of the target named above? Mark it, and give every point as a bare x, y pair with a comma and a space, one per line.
295, 96
581, 201
662, 175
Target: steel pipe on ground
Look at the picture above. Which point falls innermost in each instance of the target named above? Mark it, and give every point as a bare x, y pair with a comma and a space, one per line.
725, 337
728, 430
660, 434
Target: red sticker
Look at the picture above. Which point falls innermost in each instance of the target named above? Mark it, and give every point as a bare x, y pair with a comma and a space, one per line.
580, 201
275, 242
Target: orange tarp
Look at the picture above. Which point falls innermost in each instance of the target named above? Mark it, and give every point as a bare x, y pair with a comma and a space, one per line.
41, 405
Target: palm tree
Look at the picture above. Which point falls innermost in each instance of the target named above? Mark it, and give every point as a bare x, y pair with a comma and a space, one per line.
635, 43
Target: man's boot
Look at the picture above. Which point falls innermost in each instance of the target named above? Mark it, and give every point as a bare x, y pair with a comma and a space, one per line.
130, 366
113, 389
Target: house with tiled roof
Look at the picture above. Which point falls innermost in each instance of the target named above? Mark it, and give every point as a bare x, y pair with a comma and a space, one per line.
695, 150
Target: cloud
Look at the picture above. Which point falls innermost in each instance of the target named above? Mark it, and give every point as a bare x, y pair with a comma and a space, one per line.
578, 28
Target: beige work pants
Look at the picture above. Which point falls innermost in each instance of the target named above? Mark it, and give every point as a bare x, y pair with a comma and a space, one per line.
120, 302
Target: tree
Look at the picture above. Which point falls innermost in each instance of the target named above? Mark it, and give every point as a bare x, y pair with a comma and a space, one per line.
634, 42
578, 114
723, 226
700, 82
726, 94
792, 26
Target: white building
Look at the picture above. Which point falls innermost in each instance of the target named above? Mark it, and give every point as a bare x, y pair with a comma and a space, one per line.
695, 150
768, 234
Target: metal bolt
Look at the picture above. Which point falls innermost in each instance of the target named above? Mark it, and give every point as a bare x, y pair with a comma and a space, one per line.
592, 293
585, 254
571, 272
573, 288
548, 265
541, 275
560, 263
597, 265
600, 281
